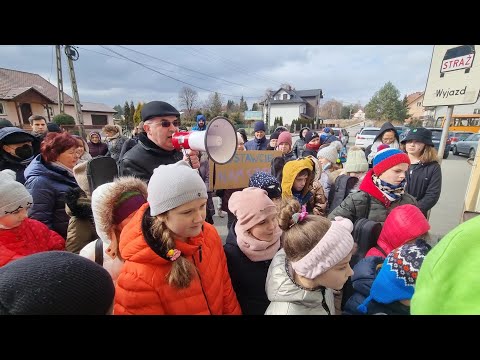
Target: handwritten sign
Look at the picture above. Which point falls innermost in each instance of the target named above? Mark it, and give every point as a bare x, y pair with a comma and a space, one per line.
236, 173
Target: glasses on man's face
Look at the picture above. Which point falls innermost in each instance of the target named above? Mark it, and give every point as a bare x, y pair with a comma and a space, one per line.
166, 123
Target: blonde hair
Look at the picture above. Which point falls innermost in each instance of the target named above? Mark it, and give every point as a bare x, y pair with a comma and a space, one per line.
298, 239
429, 154
183, 271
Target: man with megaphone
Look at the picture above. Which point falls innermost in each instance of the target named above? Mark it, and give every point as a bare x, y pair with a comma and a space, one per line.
154, 148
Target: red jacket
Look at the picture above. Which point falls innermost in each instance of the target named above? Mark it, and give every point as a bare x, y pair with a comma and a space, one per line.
142, 287
404, 223
30, 237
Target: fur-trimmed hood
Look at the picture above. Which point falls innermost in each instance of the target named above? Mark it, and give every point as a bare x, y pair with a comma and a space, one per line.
104, 198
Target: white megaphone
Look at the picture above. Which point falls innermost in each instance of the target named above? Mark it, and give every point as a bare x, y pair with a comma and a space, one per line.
219, 140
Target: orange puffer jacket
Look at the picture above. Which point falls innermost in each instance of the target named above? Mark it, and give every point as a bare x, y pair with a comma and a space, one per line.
142, 286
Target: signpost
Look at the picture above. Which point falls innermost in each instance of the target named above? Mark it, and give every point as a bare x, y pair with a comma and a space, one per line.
453, 79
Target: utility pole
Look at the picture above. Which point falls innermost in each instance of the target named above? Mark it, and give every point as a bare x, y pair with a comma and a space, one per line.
72, 55
61, 102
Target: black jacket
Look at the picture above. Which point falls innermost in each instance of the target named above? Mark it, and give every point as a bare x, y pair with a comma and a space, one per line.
248, 277
424, 182
8, 161
143, 158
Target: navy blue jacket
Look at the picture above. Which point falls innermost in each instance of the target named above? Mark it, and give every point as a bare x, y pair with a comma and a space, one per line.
48, 186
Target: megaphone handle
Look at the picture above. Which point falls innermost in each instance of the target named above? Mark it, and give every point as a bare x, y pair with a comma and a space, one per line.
188, 157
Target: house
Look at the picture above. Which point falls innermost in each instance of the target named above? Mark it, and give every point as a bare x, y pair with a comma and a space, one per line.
23, 94
291, 104
415, 105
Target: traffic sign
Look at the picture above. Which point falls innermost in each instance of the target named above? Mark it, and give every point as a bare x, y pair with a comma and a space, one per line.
454, 76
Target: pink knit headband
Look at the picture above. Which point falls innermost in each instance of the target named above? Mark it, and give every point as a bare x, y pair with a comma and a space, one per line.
334, 246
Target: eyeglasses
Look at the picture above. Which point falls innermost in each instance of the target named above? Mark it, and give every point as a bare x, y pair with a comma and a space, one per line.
166, 123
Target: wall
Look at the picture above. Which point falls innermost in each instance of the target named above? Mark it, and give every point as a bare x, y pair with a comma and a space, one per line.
288, 112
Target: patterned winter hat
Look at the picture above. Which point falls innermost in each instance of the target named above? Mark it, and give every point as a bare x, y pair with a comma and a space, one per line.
397, 277
388, 158
13, 195
267, 182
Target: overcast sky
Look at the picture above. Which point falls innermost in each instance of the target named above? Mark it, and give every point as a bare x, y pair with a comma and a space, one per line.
111, 74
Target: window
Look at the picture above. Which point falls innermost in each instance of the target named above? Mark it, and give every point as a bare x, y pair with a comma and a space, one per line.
476, 111
419, 104
285, 96
2, 109
99, 120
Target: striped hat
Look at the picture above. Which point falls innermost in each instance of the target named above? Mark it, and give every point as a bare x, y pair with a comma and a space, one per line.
388, 158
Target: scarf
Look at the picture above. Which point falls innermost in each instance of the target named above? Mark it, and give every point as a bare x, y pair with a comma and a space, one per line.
313, 147
257, 250
58, 164
391, 192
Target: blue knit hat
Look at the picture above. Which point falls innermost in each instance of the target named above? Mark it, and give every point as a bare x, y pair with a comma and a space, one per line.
397, 277
388, 158
259, 126
267, 182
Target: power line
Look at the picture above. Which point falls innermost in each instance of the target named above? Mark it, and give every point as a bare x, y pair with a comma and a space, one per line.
184, 67
171, 77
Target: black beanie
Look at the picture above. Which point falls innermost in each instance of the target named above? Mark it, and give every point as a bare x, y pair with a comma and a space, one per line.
311, 135
55, 283
15, 136
158, 108
53, 127
275, 135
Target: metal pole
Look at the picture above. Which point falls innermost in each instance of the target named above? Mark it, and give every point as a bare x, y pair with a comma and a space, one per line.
78, 106
443, 140
61, 102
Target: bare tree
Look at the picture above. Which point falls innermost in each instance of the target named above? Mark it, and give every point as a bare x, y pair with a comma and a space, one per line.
187, 98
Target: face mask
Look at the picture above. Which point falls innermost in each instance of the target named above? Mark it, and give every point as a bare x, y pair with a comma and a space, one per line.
327, 166
24, 151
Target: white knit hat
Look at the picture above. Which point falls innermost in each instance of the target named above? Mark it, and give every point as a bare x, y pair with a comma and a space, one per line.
13, 195
356, 160
174, 185
330, 153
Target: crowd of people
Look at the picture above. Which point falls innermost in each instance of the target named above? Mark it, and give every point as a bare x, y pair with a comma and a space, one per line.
146, 242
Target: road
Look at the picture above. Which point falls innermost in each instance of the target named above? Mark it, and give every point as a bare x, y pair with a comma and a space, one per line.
445, 215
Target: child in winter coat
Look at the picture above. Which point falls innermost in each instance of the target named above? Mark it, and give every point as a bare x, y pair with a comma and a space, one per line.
251, 243
314, 260
301, 180
19, 235
388, 291
382, 189
404, 223
174, 259
114, 204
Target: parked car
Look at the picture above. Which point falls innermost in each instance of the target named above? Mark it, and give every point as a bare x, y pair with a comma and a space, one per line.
342, 135
436, 137
366, 136
467, 146
456, 136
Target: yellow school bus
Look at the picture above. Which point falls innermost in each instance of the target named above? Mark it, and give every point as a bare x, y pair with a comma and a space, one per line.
464, 122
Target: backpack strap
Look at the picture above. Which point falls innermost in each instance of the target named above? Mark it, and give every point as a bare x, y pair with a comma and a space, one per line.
99, 252
381, 250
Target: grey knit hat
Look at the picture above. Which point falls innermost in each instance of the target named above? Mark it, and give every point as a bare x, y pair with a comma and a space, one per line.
174, 185
13, 195
330, 153
55, 283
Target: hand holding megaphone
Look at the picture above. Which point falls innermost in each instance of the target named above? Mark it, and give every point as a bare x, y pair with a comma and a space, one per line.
192, 157
219, 140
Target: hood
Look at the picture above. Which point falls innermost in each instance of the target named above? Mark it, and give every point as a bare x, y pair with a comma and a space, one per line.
104, 198
403, 223
290, 172
364, 273
317, 167
300, 133
386, 126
